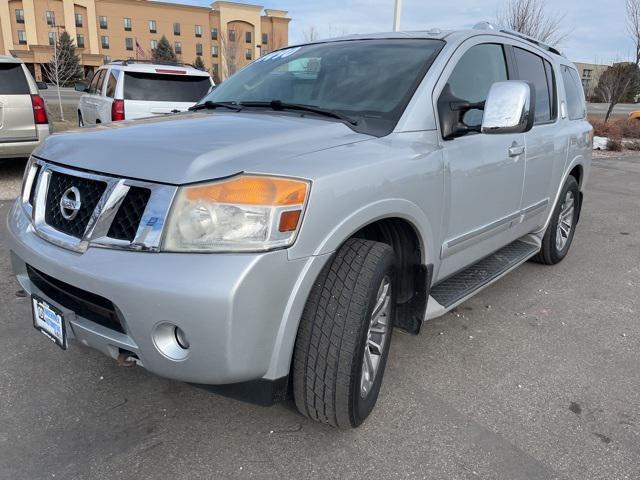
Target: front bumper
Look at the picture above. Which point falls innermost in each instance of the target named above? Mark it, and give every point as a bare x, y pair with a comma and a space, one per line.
237, 310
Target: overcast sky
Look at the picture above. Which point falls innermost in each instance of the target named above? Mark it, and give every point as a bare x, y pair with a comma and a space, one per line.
596, 27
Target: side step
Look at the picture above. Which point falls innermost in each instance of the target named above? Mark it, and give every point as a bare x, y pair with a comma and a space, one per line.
457, 288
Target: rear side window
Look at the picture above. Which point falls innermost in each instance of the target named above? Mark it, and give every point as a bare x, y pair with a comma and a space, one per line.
100, 84
531, 68
112, 82
12, 80
165, 88
479, 68
575, 98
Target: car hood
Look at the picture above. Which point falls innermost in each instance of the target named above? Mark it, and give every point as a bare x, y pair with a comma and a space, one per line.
197, 146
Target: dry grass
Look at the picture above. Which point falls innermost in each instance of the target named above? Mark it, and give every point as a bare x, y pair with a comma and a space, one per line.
70, 117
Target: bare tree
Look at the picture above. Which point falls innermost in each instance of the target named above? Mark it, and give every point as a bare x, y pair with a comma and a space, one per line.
618, 83
633, 25
530, 17
63, 70
229, 55
310, 34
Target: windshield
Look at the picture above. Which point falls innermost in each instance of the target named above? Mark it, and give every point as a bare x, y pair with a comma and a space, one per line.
370, 81
165, 88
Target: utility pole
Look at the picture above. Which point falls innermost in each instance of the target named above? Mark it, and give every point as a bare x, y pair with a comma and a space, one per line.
397, 13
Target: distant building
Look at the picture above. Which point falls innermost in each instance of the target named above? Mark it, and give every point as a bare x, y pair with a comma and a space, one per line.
226, 35
590, 75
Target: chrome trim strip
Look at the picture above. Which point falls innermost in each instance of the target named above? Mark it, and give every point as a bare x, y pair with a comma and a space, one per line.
149, 233
454, 242
534, 209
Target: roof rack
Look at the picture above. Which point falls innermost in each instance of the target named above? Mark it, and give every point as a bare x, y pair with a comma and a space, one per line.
130, 61
521, 36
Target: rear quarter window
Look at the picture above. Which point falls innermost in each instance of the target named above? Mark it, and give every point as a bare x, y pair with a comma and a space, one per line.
13, 80
165, 88
576, 108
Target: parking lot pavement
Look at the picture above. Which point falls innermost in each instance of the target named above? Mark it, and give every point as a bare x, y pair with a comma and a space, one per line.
68, 96
537, 377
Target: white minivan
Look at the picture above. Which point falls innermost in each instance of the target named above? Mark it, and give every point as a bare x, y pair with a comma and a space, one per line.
128, 90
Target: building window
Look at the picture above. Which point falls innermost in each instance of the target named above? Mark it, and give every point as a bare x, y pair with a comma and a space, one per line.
80, 40
178, 48
22, 37
214, 69
198, 31
152, 26
154, 44
265, 38
232, 35
103, 22
214, 51
128, 43
19, 15
247, 37
51, 18
107, 59
586, 73
247, 54
78, 17
176, 28
127, 24
52, 38
104, 41
214, 34
199, 49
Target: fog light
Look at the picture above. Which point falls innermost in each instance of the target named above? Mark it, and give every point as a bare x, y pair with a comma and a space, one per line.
171, 341
181, 338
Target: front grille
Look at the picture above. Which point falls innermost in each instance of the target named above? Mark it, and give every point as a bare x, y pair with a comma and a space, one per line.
84, 304
90, 193
127, 220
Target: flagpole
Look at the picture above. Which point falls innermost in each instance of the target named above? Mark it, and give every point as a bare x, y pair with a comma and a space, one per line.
136, 48
397, 13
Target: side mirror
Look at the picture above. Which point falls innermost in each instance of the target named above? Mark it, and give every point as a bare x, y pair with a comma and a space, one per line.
42, 85
80, 87
510, 108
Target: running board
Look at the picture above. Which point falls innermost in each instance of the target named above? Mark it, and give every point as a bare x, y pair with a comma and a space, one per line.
454, 290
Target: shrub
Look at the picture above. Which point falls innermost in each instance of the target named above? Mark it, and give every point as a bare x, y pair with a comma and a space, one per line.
620, 128
614, 145
633, 145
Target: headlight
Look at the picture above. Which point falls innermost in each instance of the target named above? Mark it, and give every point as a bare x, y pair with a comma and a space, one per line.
241, 214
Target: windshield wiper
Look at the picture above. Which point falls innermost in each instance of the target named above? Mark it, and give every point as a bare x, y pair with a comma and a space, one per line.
280, 105
209, 105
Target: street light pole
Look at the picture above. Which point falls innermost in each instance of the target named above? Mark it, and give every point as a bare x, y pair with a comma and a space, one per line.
396, 16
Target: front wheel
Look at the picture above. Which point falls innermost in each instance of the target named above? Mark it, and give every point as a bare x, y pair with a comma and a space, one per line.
344, 336
559, 235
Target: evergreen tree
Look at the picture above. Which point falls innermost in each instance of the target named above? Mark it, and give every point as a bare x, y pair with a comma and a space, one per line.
64, 69
199, 64
163, 53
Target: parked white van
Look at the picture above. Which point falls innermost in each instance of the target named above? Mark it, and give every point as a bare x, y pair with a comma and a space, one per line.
129, 90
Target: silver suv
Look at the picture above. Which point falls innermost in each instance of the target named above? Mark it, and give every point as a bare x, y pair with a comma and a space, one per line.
24, 122
268, 242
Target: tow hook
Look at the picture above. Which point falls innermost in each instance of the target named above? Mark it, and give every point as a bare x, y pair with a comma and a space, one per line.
126, 359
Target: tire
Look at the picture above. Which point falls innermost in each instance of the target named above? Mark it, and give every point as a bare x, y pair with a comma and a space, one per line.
552, 252
334, 331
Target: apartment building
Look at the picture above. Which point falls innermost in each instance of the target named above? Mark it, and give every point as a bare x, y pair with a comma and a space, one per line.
226, 35
590, 76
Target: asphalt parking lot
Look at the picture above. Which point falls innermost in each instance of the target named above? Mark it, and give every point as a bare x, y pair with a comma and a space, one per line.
537, 377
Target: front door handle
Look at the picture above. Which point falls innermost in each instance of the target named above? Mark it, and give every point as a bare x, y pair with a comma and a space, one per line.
516, 150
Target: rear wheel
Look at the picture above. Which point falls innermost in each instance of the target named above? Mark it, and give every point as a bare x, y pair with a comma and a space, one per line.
344, 335
559, 235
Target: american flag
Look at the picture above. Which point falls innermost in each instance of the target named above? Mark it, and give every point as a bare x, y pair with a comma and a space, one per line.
139, 49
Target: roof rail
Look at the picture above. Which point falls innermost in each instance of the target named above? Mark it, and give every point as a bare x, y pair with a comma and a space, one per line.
521, 36
131, 61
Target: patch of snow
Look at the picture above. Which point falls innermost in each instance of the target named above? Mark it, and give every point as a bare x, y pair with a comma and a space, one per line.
600, 143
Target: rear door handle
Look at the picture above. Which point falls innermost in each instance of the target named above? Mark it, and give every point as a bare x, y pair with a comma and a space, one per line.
516, 150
